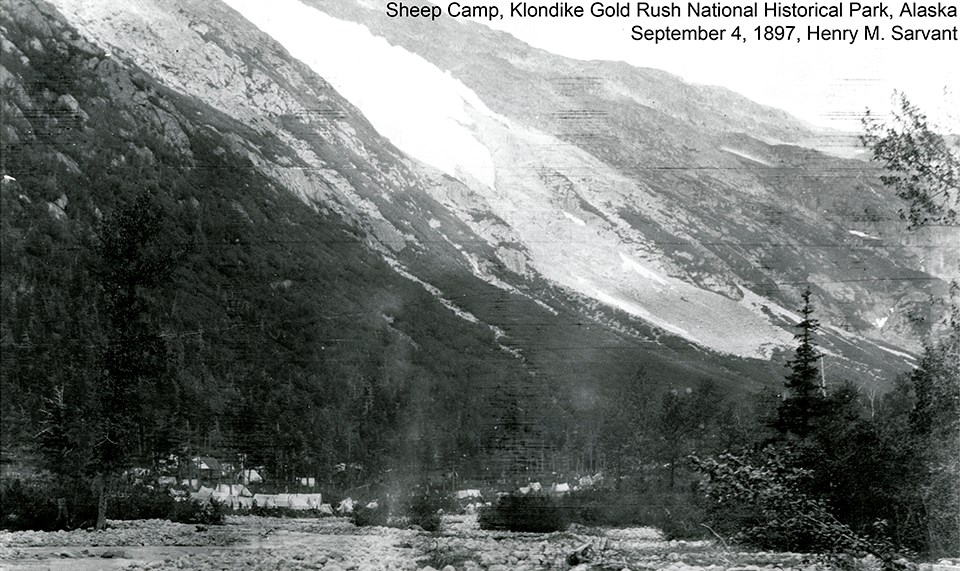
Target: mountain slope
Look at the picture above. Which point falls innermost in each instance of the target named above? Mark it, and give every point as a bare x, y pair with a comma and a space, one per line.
291, 339
395, 298
737, 211
637, 207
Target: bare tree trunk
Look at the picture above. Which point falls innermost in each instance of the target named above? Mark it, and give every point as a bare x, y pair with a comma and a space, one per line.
63, 516
100, 489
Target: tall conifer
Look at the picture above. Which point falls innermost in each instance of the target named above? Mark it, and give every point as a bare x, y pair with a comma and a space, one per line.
805, 398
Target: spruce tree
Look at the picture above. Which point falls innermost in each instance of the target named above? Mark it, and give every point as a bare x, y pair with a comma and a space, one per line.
804, 402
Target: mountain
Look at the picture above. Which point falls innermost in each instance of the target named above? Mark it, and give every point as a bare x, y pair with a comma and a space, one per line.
423, 241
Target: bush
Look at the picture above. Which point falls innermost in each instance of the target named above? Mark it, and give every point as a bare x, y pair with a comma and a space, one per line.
760, 502
192, 511
145, 502
530, 513
424, 508
376, 516
139, 502
46, 506
283, 512
677, 514
421, 507
49, 506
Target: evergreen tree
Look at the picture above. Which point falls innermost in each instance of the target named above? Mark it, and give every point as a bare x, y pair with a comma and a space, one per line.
133, 263
805, 402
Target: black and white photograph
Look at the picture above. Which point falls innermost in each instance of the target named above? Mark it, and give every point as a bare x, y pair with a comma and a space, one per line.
362, 285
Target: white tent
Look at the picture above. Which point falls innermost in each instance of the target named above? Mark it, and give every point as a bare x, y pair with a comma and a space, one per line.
203, 495
264, 500
346, 506
298, 502
236, 490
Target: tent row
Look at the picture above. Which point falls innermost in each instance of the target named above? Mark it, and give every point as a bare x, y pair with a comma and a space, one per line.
238, 496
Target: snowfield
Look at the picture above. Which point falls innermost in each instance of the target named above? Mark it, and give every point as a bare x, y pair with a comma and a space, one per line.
422, 110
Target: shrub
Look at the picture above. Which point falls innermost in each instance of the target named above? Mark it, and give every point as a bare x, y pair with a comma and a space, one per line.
283, 512
192, 511
46, 506
49, 506
145, 502
442, 556
761, 503
677, 514
364, 516
422, 506
530, 513
139, 502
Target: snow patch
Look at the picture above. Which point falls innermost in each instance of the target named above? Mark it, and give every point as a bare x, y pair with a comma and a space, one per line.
897, 353
635, 309
576, 220
425, 112
744, 155
465, 315
631, 264
881, 321
545, 306
862, 235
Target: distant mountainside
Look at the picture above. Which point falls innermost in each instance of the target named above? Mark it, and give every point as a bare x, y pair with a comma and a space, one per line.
450, 249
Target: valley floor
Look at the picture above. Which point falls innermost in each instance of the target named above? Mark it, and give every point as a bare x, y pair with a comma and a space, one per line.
334, 544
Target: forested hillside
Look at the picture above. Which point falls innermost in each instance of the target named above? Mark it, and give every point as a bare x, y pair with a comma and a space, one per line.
278, 333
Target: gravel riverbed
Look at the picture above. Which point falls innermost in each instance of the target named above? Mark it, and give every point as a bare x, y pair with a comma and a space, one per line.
334, 544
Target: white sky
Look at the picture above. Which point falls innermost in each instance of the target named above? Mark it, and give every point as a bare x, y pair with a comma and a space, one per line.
825, 83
